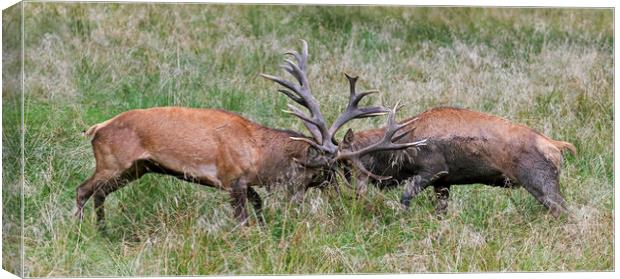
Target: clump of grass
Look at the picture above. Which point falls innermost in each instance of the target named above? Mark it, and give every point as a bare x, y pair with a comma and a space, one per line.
550, 69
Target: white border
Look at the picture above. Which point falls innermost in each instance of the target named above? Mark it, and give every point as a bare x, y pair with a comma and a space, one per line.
479, 3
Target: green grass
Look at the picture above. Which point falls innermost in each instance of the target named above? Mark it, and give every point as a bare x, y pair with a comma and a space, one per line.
11, 141
550, 69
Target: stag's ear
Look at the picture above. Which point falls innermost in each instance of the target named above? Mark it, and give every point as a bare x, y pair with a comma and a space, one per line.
312, 153
314, 158
348, 137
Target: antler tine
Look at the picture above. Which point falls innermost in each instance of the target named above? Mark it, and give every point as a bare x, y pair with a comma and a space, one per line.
314, 144
297, 72
302, 58
353, 111
293, 96
403, 134
387, 142
296, 112
355, 97
283, 82
393, 127
360, 166
300, 93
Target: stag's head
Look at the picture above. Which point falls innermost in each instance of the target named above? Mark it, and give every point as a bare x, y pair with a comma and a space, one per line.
324, 153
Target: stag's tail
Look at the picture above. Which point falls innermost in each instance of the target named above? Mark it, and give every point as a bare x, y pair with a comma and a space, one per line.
552, 149
562, 145
90, 132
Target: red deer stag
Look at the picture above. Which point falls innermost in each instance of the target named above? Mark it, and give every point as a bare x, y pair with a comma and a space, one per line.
465, 147
218, 148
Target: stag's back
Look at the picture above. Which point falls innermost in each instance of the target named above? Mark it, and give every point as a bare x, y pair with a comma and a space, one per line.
193, 141
493, 138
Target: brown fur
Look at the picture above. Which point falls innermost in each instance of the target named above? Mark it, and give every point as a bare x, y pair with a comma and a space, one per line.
205, 146
470, 147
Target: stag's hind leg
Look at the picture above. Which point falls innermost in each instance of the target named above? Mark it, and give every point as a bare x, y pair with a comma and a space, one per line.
112, 185
114, 169
542, 181
547, 193
83, 193
100, 185
89, 187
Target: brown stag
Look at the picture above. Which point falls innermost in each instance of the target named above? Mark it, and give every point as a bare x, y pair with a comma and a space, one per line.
465, 147
220, 149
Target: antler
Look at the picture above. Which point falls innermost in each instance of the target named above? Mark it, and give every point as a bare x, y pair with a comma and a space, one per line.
386, 143
315, 122
353, 111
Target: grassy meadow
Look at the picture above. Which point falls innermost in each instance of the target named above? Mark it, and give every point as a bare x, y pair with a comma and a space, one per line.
550, 69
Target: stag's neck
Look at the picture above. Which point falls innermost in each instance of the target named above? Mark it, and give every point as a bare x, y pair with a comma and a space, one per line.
279, 150
367, 138
381, 161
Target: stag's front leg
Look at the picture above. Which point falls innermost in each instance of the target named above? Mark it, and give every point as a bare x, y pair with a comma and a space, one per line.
296, 188
418, 183
256, 201
443, 193
298, 193
362, 184
413, 187
239, 195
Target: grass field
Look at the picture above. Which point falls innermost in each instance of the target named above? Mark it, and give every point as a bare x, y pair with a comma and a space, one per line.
551, 69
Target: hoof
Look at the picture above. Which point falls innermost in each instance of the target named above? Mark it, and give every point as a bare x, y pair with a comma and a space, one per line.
441, 208
441, 212
404, 206
101, 227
